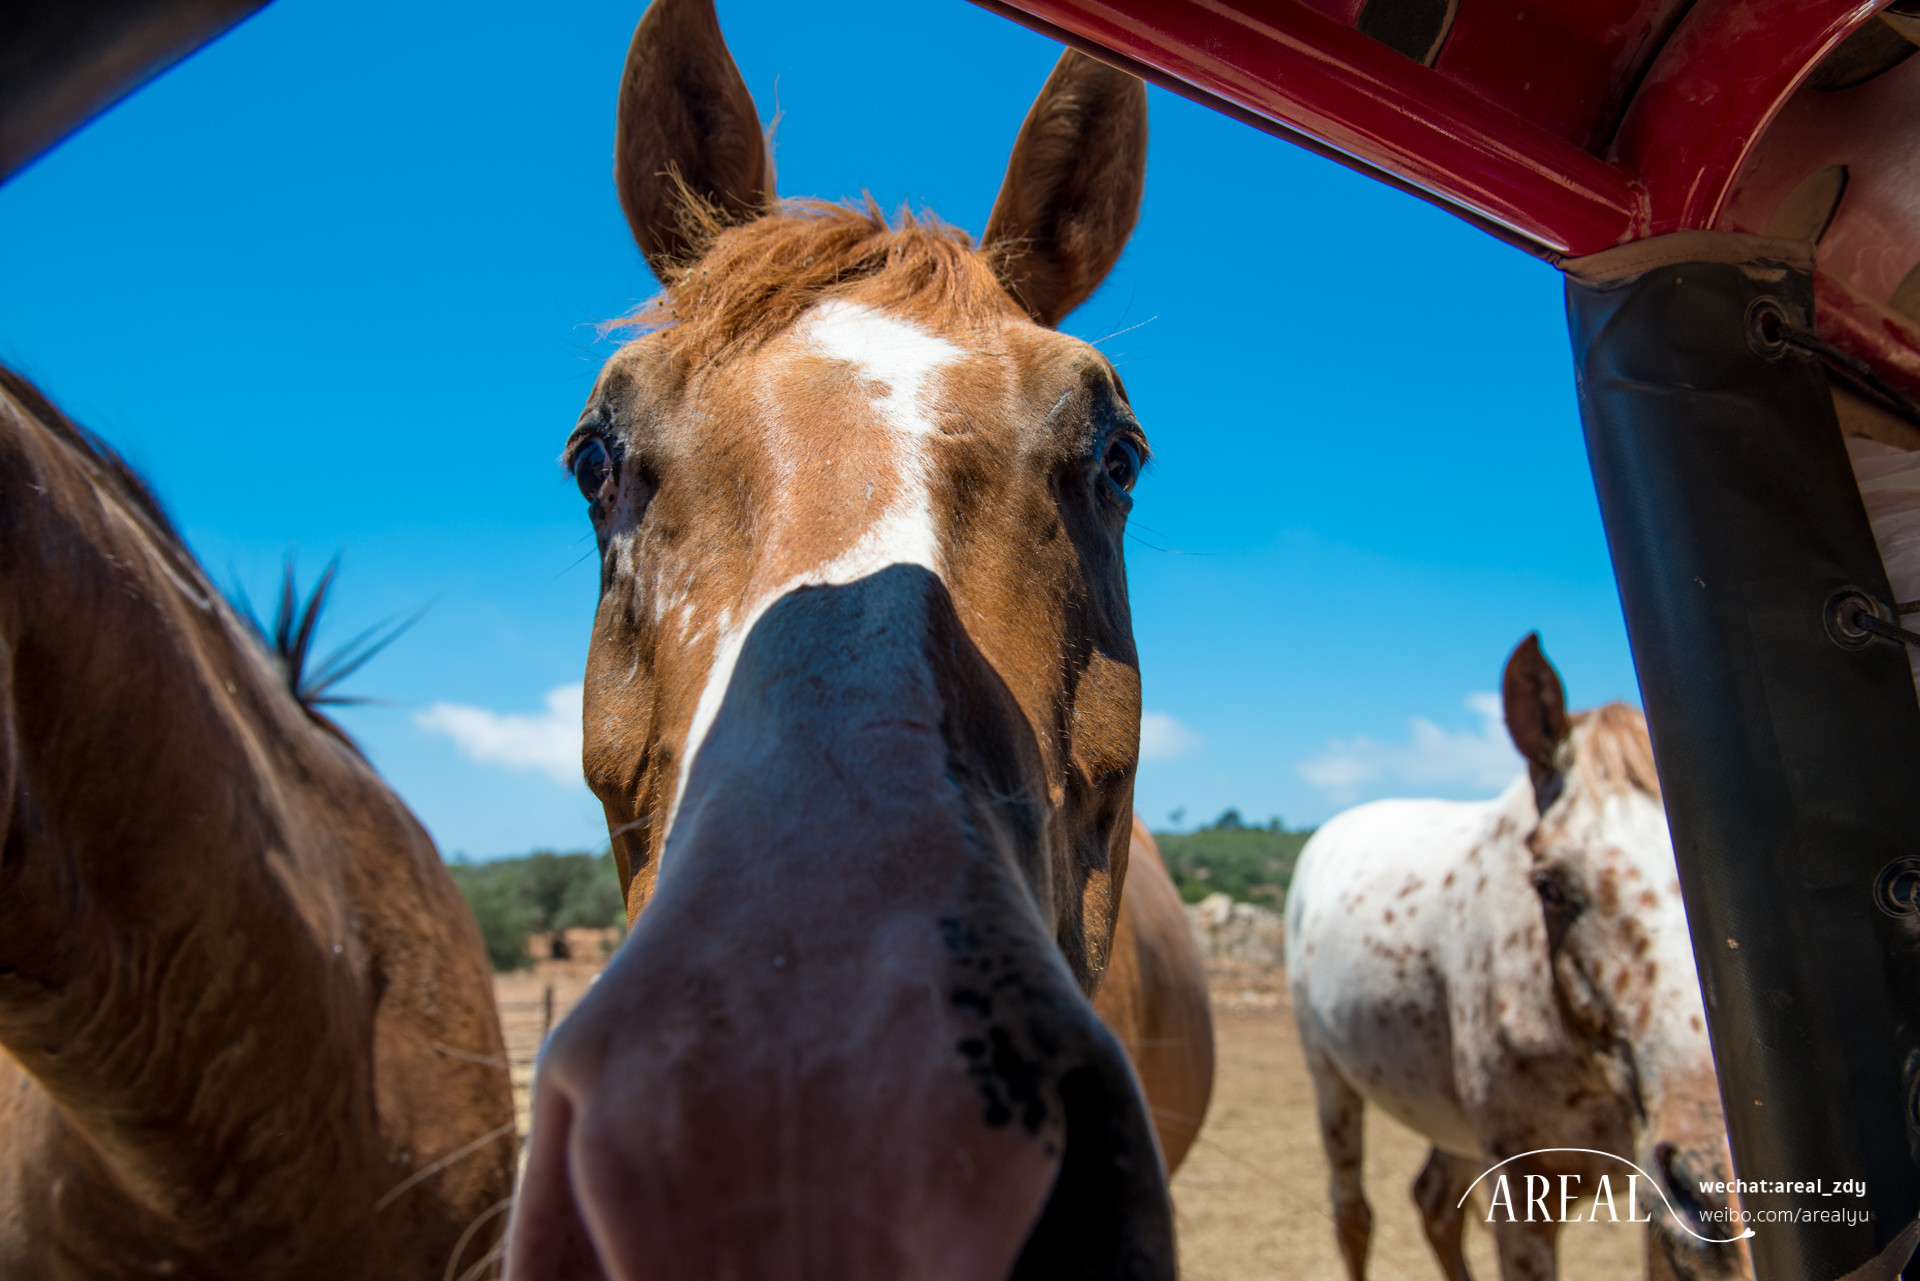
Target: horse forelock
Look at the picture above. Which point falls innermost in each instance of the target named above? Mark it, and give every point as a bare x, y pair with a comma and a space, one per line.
1613, 751
756, 279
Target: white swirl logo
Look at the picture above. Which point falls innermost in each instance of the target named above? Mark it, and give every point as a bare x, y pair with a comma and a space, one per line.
1503, 1194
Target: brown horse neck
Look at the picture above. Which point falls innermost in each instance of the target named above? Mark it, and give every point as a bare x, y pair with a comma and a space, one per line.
198, 909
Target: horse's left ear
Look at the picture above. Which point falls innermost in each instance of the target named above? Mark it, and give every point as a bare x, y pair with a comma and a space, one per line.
1536, 707
1073, 187
688, 155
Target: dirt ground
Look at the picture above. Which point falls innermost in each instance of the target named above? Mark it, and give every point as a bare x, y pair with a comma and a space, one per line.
1251, 1198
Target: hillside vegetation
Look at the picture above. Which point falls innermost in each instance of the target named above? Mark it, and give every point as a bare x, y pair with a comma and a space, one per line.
525, 904
1253, 864
515, 899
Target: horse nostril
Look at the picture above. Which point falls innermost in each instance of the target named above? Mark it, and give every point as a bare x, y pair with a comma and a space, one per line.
1107, 1215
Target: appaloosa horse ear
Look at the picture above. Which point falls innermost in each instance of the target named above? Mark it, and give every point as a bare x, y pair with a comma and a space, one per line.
1073, 186
688, 155
1536, 706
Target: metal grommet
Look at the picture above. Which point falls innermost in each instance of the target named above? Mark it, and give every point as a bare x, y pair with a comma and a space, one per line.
1766, 317
1896, 891
1842, 616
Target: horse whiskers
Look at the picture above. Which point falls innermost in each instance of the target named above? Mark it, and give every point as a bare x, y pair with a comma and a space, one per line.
458, 1154
460, 1247
483, 1060
624, 828
1129, 329
490, 1257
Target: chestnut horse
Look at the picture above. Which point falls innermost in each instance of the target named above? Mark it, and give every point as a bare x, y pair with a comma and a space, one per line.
1515, 975
863, 707
246, 1023
1154, 997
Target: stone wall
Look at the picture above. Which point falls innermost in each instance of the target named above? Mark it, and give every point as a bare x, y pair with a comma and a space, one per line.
1237, 933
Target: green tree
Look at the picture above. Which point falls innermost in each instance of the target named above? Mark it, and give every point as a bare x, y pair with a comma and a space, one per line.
498, 909
1253, 864
541, 893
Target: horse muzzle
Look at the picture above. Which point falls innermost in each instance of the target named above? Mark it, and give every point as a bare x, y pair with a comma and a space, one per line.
840, 1042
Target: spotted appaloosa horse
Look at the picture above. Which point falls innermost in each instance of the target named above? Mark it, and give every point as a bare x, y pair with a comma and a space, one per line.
1513, 975
863, 708
246, 1023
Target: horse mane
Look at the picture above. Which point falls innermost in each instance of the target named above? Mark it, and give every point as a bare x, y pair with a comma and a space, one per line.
1614, 751
288, 643
755, 279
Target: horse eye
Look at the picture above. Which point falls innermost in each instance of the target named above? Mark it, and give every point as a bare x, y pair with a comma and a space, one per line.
591, 467
1122, 464
1558, 907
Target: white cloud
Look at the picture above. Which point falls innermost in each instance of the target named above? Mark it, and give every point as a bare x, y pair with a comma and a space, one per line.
1481, 758
1163, 737
547, 741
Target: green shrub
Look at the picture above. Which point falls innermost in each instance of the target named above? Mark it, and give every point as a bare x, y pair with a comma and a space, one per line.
1253, 864
505, 923
544, 893
540, 893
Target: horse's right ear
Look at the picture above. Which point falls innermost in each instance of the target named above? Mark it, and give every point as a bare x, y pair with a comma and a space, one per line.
1073, 187
688, 155
1536, 706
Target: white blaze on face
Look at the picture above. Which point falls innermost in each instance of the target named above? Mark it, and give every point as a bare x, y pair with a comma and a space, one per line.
899, 361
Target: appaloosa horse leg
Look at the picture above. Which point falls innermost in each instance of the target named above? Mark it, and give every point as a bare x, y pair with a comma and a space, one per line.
1437, 1191
1659, 1262
1526, 1250
1342, 1129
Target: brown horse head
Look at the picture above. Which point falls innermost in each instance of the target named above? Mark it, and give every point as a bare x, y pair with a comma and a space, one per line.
862, 706
246, 1023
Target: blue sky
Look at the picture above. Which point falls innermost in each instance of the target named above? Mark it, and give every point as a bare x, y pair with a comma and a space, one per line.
333, 283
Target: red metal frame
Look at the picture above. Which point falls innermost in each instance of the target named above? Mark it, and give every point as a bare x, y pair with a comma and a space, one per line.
1598, 51
1302, 70
1716, 84
1712, 92
1488, 133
